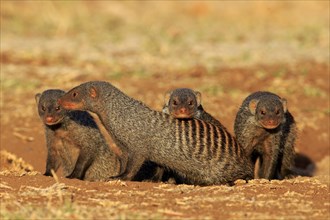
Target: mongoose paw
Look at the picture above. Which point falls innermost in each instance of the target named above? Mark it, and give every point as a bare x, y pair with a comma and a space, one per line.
48, 173
124, 177
113, 178
73, 175
70, 176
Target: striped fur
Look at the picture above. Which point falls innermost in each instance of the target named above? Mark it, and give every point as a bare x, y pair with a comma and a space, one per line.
208, 141
200, 152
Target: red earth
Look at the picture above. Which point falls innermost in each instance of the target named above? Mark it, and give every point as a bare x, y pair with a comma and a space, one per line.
22, 135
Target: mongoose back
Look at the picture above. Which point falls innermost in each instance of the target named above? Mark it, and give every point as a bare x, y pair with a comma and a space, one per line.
74, 141
200, 152
267, 130
185, 103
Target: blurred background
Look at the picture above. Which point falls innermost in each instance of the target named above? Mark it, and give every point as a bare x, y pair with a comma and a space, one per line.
225, 50
160, 36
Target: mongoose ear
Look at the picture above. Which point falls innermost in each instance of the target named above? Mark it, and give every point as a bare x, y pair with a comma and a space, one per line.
93, 92
253, 105
167, 97
198, 98
37, 97
285, 105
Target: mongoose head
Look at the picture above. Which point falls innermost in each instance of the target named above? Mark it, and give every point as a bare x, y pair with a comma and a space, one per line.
82, 97
49, 110
269, 112
182, 103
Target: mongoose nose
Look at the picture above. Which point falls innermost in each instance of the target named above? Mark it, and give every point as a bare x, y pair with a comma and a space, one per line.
49, 119
271, 122
183, 110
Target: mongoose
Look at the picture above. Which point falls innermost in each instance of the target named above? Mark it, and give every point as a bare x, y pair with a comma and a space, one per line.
74, 141
149, 171
266, 130
203, 154
185, 103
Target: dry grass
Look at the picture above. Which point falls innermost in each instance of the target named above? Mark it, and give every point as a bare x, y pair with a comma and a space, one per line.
259, 198
12, 165
143, 38
63, 199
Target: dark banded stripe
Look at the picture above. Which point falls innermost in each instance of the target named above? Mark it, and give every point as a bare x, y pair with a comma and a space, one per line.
237, 150
177, 134
217, 146
208, 133
190, 140
203, 137
183, 145
223, 144
229, 145
212, 141
197, 137
240, 149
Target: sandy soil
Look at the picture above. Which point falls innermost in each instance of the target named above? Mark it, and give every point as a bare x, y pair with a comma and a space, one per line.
298, 198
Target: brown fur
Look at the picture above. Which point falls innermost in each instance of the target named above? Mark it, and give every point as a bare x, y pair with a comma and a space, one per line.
74, 141
267, 131
200, 152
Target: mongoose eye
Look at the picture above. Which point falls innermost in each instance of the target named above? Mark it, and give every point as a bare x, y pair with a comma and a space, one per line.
191, 103
277, 112
262, 112
175, 102
43, 108
74, 94
57, 108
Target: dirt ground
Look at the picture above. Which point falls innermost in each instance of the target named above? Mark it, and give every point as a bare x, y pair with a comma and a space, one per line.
298, 198
31, 63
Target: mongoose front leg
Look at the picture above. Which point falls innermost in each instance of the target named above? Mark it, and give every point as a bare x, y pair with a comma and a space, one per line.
134, 163
286, 169
123, 161
269, 160
53, 163
85, 159
288, 154
111, 143
159, 173
116, 148
53, 160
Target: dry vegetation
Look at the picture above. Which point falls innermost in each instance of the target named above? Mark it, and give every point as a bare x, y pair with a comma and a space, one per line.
226, 50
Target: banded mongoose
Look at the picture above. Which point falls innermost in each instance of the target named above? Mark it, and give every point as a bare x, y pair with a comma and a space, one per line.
200, 152
266, 130
185, 103
149, 171
74, 141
